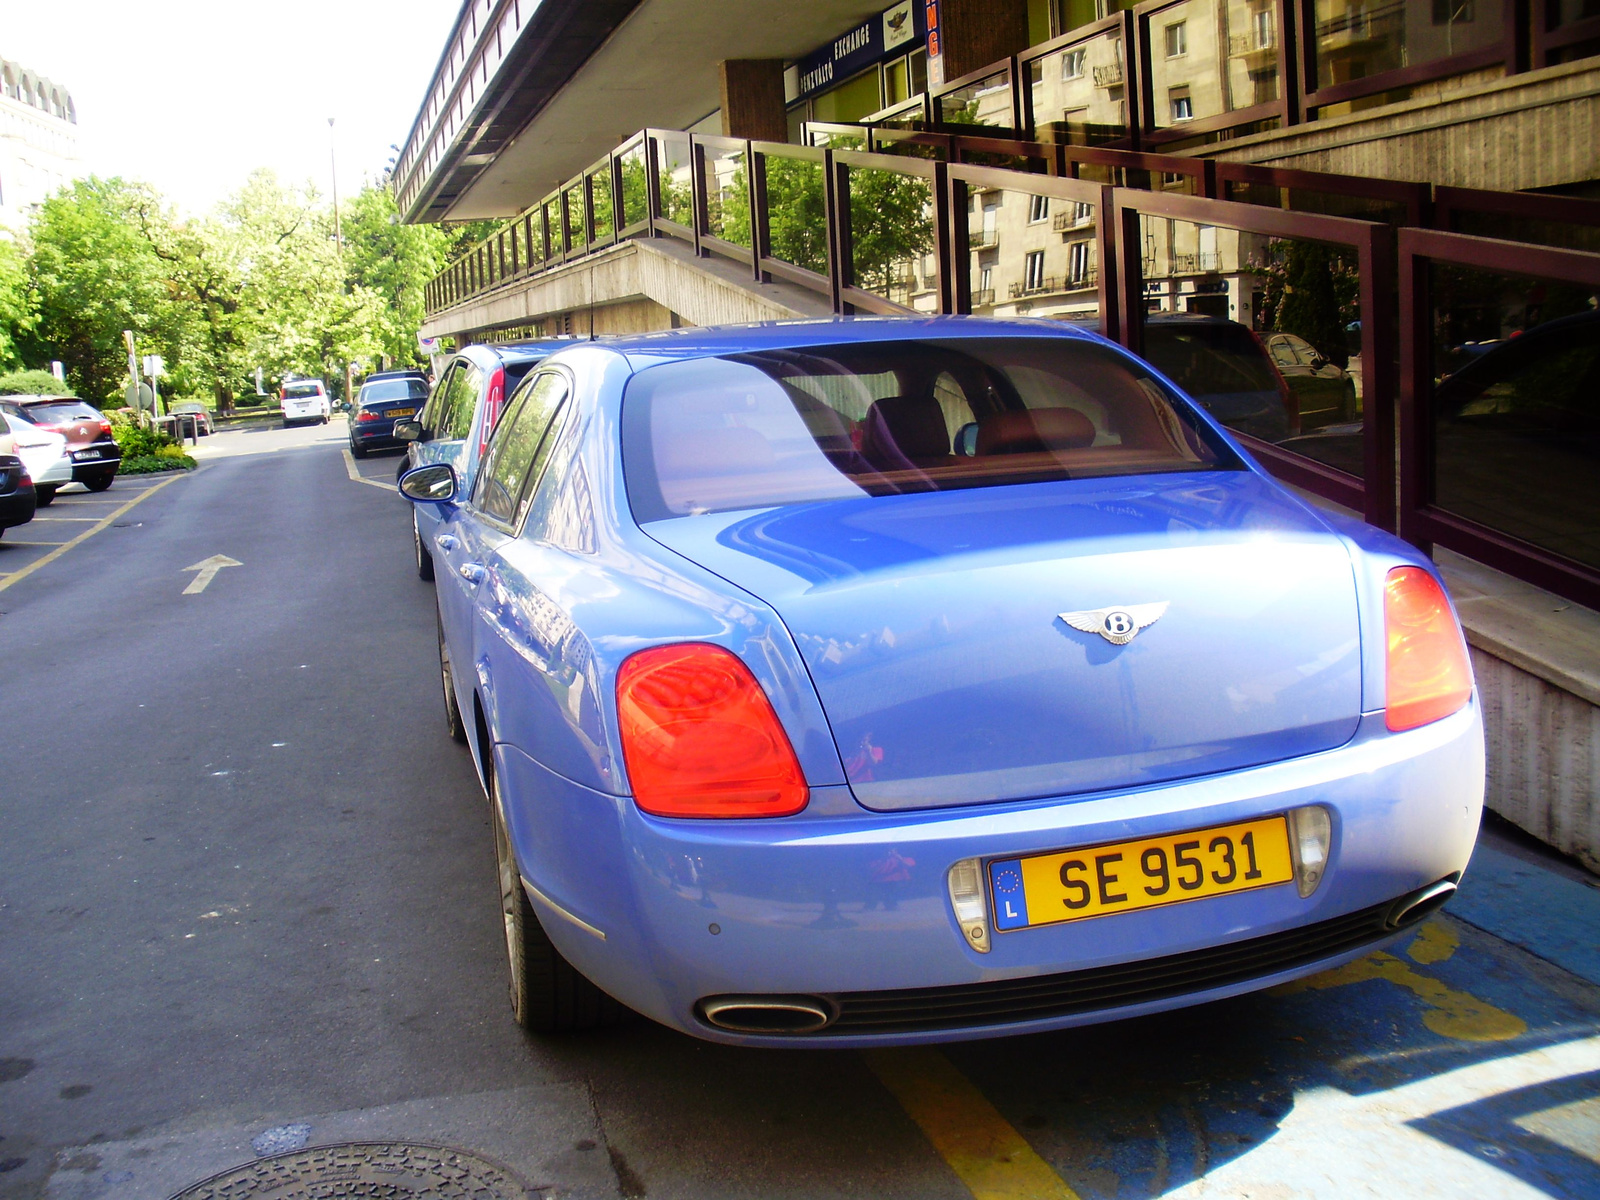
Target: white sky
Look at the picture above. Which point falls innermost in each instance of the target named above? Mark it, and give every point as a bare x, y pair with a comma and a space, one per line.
191, 95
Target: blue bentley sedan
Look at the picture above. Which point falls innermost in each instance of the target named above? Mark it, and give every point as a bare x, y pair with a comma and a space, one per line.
887, 680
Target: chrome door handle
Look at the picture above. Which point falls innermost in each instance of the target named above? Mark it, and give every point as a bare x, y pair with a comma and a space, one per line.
445, 542
471, 572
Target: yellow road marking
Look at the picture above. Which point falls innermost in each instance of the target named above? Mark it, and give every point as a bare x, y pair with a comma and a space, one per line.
15, 542
90, 520
981, 1146
1450, 1013
356, 476
103, 523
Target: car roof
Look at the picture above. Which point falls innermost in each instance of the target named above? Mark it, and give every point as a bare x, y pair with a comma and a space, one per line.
707, 342
29, 399
408, 373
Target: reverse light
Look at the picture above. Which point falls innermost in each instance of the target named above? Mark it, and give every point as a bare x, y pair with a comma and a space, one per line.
1310, 832
1426, 672
700, 737
970, 900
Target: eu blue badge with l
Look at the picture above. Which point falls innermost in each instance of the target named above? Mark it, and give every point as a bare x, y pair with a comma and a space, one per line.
1010, 904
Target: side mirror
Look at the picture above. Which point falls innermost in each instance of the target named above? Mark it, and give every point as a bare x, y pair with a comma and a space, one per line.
967, 440
408, 431
434, 483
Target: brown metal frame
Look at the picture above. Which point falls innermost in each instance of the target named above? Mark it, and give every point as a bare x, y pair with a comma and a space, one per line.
1373, 495
1284, 108
1510, 51
850, 298
1119, 22
1421, 522
936, 116
1548, 38
1563, 210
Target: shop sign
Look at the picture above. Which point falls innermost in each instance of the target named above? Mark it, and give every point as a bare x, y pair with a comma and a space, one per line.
894, 31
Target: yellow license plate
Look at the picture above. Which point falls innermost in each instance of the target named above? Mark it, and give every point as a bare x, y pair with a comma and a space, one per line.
1072, 885
401, 414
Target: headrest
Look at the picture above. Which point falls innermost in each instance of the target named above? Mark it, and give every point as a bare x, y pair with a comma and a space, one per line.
1035, 429
908, 427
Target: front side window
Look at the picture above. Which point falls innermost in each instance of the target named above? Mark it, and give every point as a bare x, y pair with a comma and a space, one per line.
463, 399
801, 426
515, 455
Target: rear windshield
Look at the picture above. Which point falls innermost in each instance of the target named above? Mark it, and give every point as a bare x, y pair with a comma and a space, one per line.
797, 426
395, 389
1210, 360
55, 413
299, 391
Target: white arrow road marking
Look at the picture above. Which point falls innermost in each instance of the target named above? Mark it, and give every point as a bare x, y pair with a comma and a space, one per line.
208, 571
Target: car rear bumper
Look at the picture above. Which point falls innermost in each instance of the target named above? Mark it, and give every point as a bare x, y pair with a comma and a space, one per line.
379, 438
106, 463
17, 508
852, 907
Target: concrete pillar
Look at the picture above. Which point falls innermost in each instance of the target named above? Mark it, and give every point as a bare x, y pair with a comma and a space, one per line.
752, 99
975, 33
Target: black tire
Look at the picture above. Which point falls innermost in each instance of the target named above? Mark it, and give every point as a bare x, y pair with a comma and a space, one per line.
357, 451
548, 995
452, 708
100, 482
44, 494
424, 559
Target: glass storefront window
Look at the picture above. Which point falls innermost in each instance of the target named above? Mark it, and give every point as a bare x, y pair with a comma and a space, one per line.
1071, 14
1356, 39
1212, 57
850, 101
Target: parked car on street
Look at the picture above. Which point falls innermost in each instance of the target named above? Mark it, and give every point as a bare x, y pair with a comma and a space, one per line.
384, 399
93, 451
17, 499
43, 452
188, 411
460, 414
890, 681
1224, 365
1324, 392
304, 400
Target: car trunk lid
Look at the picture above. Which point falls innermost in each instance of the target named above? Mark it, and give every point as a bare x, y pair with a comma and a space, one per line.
931, 627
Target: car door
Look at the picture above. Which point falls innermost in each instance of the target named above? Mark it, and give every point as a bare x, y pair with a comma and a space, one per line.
476, 529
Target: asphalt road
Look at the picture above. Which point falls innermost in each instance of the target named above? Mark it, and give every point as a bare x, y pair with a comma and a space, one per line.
247, 894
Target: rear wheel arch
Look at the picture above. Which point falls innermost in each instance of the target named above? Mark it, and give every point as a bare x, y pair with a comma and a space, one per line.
482, 742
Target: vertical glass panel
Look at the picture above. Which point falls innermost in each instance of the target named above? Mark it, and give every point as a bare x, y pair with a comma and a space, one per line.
1516, 407
1080, 93
577, 234
891, 237
837, 139
796, 215
727, 196
1070, 14
1212, 57
1355, 39
677, 188
600, 194
1568, 11
533, 232
986, 103
635, 187
1033, 255
1263, 332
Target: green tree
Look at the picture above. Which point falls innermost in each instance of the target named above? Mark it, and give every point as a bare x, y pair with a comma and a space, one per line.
16, 303
394, 262
1313, 290
93, 273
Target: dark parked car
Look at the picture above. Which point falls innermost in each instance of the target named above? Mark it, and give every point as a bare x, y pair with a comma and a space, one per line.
385, 398
17, 500
94, 452
192, 411
1224, 366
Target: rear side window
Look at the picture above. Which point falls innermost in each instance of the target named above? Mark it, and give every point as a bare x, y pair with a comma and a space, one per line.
799, 426
519, 448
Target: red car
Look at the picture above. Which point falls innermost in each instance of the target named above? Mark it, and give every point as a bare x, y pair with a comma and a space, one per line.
94, 452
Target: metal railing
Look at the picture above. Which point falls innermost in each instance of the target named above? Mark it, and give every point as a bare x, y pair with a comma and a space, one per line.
817, 218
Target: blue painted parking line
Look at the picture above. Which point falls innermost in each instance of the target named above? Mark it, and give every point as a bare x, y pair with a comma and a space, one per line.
1555, 918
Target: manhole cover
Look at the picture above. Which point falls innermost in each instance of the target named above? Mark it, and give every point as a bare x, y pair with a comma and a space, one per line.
365, 1170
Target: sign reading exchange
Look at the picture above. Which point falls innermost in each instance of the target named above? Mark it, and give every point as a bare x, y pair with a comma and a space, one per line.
895, 30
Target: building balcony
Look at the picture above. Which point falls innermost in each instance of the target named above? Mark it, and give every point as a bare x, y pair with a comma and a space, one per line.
1109, 76
983, 298
982, 239
1053, 284
1064, 222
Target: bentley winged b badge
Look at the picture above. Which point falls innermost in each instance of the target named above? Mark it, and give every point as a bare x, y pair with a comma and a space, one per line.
1117, 624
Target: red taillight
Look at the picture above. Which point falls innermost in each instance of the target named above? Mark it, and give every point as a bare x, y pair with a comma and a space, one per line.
1427, 675
701, 739
105, 426
364, 415
492, 404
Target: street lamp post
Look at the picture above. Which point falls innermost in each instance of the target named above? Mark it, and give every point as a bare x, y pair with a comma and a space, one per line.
333, 159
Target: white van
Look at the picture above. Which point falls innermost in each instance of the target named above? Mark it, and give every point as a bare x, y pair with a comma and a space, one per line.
304, 400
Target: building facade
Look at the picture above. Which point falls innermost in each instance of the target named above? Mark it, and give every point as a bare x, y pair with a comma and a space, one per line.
38, 141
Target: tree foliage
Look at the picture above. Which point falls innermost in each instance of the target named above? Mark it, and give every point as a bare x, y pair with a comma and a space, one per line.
260, 282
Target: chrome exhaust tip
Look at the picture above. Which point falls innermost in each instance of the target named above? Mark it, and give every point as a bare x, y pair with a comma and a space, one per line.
767, 1014
1408, 910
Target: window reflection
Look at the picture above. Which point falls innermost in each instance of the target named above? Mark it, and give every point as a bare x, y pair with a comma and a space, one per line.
1211, 57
